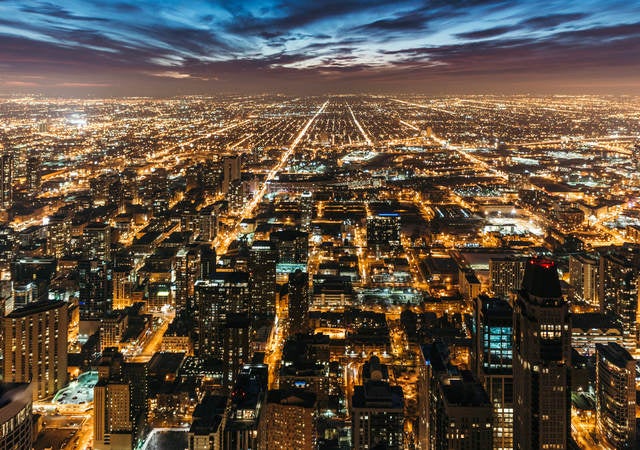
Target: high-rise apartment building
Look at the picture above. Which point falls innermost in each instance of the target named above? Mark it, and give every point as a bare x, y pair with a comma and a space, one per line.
584, 278
461, 414
230, 171
35, 346
619, 272
377, 414
6, 181
16, 420
298, 302
505, 275
616, 396
541, 361
282, 410
222, 304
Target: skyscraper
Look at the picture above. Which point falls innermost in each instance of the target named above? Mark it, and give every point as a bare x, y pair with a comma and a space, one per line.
35, 346
461, 413
541, 360
6, 181
34, 176
262, 266
298, 302
230, 171
222, 304
377, 412
584, 278
616, 396
619, 272
492, 359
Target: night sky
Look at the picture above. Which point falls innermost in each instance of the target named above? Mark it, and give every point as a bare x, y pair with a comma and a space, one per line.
102, 47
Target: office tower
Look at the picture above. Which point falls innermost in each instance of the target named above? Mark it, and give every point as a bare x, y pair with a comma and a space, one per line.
136, 374
541, 361
377, 414
505, 275
6, 181
34, 176
298, 302
619, 272
230, 171
97, 241
35, 347
492, 359
584, 278
616, 396
383, 230
16, 420
95, 289
262, 267
223, 326
289, 421
461, 414
292, 246
246, 408
306, 210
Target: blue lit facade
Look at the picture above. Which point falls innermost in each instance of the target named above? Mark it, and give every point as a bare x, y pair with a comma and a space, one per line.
492, 361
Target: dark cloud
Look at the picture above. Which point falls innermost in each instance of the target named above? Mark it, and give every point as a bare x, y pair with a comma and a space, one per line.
56, 11
550, 21
488, 33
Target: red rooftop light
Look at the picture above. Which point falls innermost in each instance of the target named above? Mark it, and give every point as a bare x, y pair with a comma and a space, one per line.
544, 263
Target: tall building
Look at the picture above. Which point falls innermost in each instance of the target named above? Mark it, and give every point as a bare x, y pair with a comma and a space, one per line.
616, 396
306, 210
222, 304
298, 302
95, 289
292, 246
113, 425
6, 181
461, 412
619, 272
584, 278
492, 363
34, 176
58, 236
541, 361
383, 230
97, 241
35, 347
246, 407
377, 414
230, 171
16, 420
289, 421
262, 267
505, 275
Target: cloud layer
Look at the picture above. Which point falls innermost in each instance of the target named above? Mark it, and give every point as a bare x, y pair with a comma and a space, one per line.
196, 46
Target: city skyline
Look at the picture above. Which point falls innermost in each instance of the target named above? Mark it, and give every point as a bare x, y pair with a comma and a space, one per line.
99, 48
